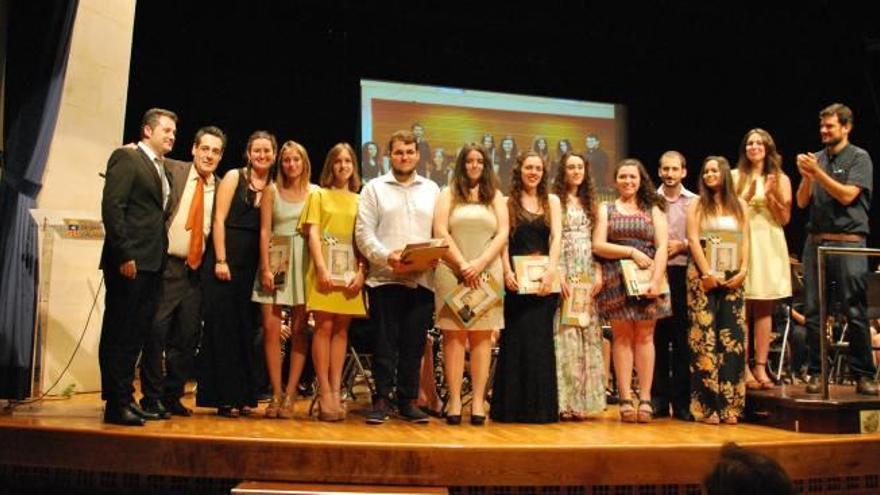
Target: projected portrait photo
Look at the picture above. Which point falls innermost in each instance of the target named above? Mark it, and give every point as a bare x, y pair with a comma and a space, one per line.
505, 124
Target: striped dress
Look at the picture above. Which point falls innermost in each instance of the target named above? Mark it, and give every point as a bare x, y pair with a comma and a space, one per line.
636, 230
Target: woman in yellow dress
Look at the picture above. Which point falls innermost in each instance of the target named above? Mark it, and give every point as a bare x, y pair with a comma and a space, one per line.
335, 277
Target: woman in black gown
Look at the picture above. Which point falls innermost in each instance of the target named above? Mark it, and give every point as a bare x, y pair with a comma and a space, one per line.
226, 368
525, 380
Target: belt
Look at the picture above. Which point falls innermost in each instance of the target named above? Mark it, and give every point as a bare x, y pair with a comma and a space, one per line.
838, 237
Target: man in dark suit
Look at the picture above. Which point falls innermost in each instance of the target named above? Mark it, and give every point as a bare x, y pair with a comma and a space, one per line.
136, 194
424, 148
177, 327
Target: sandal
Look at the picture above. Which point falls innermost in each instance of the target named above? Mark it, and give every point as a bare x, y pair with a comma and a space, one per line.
711, 419
286, 410
274, 406
627, 411
730, 420
762, 384
646, 411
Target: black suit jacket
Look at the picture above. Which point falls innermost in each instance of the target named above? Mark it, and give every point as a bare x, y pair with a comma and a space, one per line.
177, 172
132, 212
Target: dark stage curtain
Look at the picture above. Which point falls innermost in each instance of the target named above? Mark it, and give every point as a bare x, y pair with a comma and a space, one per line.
38, 45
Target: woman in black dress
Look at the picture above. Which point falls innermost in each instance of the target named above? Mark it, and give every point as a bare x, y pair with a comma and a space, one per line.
226, 368
525, 381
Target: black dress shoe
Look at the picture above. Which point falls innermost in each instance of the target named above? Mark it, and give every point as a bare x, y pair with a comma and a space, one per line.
478, 419
867, 386
683, 414
122, 415
176, 408
155, 407
149, 416
814, 386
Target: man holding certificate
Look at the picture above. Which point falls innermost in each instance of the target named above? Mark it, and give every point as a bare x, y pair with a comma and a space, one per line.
397, 209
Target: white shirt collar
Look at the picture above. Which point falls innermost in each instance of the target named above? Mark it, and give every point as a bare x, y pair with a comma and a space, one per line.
149, 151
682, 191
391, 179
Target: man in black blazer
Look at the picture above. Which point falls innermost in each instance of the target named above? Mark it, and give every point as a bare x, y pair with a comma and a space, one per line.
169, 350
133, 206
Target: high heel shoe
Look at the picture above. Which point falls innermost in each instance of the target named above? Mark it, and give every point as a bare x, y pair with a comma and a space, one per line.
453, 419
627, 411
478, 419
287, 405
273, 408
329, 416
226, 412
646, 412
762, 384
343, 409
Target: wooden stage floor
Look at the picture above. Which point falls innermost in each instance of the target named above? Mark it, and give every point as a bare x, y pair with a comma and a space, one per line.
69, 434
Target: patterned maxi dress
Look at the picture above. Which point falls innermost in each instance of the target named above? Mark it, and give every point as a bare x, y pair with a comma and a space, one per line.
716, 340
580, 374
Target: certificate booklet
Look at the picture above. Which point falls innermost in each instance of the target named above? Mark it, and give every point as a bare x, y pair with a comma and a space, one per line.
722, 251
421, 255
279, 258
637, 280
529, 271
468, 304
341, 263
577, 309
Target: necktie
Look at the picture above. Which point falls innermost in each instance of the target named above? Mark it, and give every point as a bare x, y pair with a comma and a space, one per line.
195, 223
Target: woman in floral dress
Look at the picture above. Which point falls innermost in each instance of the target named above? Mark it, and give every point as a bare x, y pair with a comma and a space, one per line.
580, 372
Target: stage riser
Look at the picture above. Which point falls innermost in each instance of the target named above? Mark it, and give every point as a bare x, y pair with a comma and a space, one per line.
423, 466
26, 479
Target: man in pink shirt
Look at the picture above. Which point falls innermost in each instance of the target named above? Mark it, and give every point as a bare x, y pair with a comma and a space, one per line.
672, 363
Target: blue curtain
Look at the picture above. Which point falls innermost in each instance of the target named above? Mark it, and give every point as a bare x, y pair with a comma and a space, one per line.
38, 45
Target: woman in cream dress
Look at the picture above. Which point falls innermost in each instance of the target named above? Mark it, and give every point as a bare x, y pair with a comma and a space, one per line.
760, 181
471, 214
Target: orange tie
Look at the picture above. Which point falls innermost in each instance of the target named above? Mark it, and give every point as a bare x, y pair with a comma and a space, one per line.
195, 223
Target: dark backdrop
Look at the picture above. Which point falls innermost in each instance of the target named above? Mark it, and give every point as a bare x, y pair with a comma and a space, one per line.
693, 76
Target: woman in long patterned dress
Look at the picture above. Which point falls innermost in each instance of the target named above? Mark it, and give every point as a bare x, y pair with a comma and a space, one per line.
280, 210
760, 181
525, 378
633, 227
471, 214
226, 368
580, 373
329, 223
715, 306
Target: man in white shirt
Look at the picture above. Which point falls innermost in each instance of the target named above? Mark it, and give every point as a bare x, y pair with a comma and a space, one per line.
397, 209
672, 361
176, 329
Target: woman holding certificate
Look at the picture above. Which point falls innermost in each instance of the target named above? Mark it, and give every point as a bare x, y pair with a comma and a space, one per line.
525, 379
335, 276
632, 229
471, 215
226, 369
281, 278
718, 235
580, 373
760, 181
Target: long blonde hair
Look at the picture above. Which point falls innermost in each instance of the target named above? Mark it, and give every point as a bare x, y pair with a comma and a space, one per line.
303, 181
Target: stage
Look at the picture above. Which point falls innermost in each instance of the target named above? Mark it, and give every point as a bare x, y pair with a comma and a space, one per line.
67, 436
